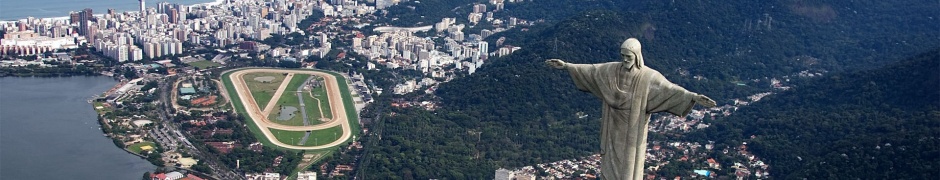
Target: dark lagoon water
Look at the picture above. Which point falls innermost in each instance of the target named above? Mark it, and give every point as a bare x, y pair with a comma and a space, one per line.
49, 131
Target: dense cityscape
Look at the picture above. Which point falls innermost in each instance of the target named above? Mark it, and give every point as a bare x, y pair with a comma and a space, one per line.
175, 104
164, 53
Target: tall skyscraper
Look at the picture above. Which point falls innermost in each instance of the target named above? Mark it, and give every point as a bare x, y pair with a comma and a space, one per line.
484, 47
73, 17
83, 17
89, 14
162, 7
143, 8
264, 12
92, 33
173, 15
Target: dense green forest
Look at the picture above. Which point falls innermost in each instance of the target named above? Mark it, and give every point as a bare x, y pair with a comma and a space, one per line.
755, 39
423, 13
515, 111
882, 124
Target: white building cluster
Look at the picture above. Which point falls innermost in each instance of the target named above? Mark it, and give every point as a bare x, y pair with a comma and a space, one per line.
30, 43
263, 176
162, 30
347, 8
412, 85
307, 175
119, 46
401, 49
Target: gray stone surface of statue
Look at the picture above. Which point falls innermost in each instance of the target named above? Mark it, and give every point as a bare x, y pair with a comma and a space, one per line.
630, 92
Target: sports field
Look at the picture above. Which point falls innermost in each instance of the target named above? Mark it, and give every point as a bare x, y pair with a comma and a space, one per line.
203, 64
136, 148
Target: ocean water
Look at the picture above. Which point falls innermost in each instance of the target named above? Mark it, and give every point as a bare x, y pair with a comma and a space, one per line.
11, 10
48, 130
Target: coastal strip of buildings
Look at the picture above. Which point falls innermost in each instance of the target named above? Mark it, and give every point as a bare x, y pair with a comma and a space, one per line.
163, 30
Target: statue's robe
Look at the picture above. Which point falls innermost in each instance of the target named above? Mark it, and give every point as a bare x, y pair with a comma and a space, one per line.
629, 97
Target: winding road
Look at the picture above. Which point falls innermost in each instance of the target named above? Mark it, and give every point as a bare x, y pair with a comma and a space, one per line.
259, 116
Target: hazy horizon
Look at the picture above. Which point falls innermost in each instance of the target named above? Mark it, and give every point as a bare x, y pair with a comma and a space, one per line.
11, 10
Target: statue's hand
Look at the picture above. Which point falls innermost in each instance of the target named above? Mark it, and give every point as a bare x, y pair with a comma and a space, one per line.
705, 101
556, 63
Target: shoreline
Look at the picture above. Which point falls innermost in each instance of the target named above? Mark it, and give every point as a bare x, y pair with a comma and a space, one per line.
109, 135
4, 73
62, 18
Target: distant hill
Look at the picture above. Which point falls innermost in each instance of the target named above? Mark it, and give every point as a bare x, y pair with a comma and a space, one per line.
879, 124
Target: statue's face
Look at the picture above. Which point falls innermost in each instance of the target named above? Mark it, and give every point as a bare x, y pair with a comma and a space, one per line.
628, 56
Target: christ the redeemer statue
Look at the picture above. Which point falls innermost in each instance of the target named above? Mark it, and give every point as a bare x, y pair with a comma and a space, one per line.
630, 92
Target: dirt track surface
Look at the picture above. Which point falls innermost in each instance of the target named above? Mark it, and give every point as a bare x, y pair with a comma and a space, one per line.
277, 94
256, 113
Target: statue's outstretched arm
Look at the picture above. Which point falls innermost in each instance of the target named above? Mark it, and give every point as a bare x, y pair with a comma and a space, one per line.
705, 101
556, 63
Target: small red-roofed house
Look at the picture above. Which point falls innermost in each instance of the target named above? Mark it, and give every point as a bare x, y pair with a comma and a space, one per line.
713, 164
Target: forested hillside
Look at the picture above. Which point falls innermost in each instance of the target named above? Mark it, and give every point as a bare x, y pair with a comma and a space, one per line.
515, 111
880, 124
754, 39
730, 40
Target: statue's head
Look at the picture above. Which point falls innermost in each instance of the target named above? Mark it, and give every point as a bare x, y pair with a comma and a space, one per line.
630, 52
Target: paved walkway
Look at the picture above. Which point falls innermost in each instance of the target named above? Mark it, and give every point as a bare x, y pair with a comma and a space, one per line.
300, 98
277, 94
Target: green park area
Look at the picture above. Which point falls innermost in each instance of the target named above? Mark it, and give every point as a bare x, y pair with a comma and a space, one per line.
137, 148
287, 109
101, 108
317, 137
319, 93
203, 64
263, 86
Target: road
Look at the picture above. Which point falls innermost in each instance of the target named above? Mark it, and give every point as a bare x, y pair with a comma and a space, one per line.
256, 114
222, 91
277, 94
303, 107
219, 170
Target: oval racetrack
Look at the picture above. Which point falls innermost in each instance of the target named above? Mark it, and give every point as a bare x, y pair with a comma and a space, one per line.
259, 115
